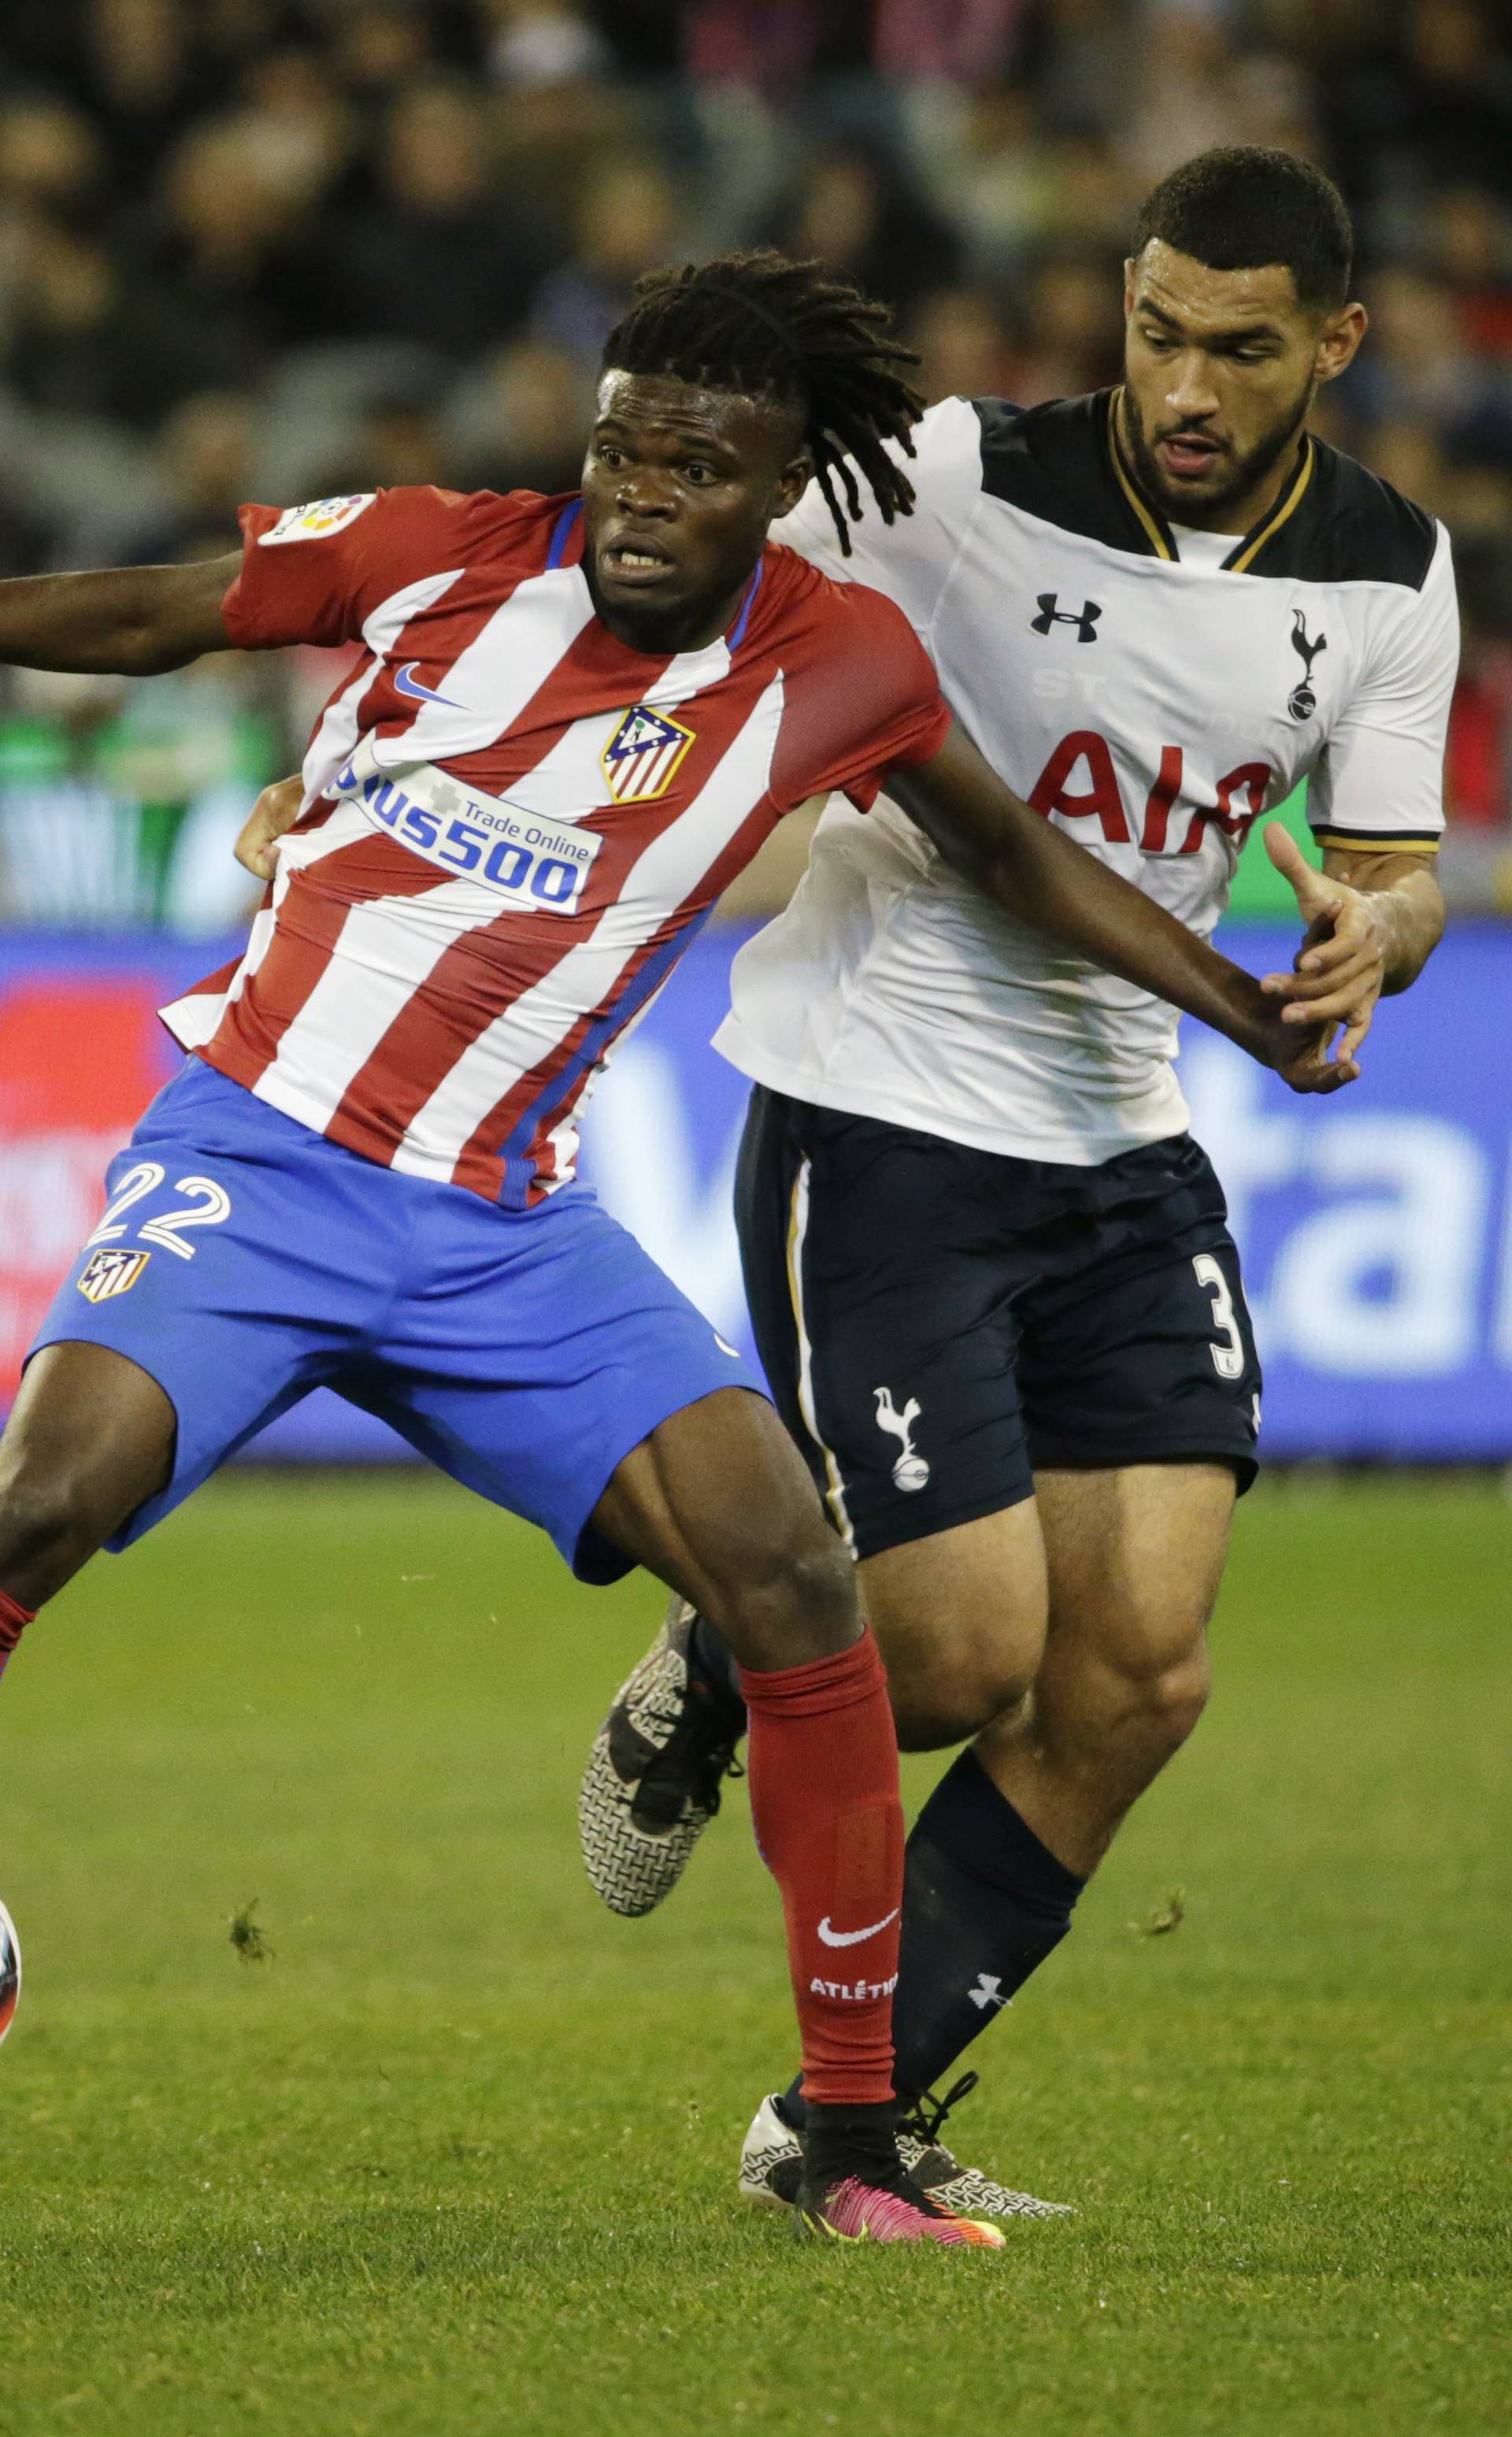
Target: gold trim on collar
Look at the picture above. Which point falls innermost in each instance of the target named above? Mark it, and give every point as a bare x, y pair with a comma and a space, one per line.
1158, 541
1251, 550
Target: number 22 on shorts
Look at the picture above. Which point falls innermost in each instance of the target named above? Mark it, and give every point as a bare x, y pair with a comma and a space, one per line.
207, 1204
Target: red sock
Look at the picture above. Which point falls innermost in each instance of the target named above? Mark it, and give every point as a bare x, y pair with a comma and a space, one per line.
13, 1620
829, 1823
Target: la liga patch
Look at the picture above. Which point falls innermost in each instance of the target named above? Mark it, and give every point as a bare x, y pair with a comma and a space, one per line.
105, 1274
318, 518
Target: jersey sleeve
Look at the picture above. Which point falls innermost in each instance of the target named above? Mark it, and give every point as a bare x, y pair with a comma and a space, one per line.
867, 702
315, 574
912, 559
1380, 784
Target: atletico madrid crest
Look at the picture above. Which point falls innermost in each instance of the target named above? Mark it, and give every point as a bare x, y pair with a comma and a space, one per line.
105, 1274
642, 758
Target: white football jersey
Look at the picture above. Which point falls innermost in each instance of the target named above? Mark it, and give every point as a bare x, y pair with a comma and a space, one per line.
1153, 708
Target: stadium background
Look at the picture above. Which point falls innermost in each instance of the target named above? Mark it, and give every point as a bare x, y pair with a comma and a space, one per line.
265, 251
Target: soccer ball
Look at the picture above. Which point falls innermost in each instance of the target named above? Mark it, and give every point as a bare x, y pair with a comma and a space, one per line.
10, 1971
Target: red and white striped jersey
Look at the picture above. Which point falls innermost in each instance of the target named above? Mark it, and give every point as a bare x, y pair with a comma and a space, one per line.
513, 821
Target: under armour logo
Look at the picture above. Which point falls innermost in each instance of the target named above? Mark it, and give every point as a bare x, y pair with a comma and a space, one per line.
1083, 620
1302, 702
987, 1992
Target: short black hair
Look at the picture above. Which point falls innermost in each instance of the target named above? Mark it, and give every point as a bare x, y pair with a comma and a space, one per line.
766, 327
1242, 205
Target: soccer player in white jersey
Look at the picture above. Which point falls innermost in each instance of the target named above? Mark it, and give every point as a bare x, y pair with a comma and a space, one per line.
990, 1272
572, 722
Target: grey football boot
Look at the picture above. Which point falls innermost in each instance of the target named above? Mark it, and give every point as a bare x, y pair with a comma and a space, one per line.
653, 1776
772, 2163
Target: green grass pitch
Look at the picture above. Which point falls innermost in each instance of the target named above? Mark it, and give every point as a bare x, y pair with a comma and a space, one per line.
459, 2154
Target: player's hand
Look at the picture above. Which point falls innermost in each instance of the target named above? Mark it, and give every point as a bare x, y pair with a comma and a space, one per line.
1300, 1054
1309, 1066
275, 810
1341, 964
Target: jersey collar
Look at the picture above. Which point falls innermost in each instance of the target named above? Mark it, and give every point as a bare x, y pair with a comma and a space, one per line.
1157, 534
1264, 530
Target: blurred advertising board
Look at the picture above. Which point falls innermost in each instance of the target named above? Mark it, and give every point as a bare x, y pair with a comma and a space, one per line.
1376, 1227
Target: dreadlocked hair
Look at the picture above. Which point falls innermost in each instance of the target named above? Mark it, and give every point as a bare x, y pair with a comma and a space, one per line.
770, 327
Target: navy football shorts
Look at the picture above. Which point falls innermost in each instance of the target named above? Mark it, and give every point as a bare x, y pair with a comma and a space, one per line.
938, 1324
244, 1260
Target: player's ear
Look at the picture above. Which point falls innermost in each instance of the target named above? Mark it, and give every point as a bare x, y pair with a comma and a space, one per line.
1339, 341
794, 481
1131, 268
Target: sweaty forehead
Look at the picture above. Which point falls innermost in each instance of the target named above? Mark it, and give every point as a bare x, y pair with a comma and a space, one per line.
658, 405
1203, 300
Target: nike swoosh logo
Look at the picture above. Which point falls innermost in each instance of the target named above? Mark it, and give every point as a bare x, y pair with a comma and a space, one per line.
407, 682
854, 1937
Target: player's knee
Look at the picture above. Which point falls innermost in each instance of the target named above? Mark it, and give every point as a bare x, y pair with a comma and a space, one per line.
792, 1601
46, 1516
944, 1694
1180, 1695
1165, 1696
60, 1497
935, 1717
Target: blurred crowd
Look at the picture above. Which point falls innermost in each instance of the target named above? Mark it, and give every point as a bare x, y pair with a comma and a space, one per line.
274, 249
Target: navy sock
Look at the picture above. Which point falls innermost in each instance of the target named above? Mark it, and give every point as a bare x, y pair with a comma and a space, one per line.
983, 1903
710, 1666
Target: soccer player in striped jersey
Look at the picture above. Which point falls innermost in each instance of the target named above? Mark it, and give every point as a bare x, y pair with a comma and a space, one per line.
573, 720
992, 1279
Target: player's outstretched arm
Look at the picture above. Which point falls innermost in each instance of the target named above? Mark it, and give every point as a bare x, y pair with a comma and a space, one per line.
995, 840
118, 621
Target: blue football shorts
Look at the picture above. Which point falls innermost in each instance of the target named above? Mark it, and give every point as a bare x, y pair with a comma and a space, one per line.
244, 1260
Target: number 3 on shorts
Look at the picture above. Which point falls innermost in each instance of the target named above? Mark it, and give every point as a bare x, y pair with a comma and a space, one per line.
208, 1205
1228, 1356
